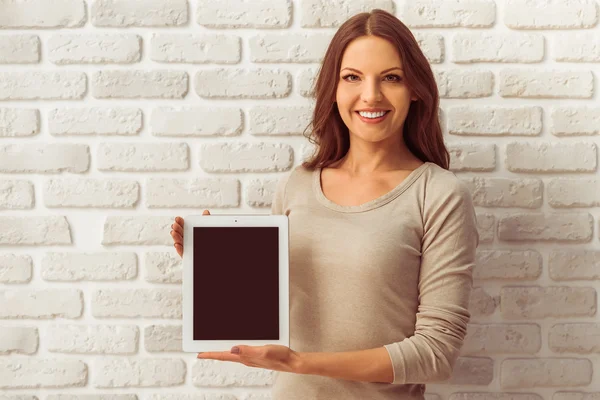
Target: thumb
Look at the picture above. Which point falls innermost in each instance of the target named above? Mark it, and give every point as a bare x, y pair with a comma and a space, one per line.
205, 212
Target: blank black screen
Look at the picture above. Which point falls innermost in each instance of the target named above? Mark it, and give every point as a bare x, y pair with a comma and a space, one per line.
236, 283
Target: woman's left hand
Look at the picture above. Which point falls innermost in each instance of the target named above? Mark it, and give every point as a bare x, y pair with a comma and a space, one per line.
274, 357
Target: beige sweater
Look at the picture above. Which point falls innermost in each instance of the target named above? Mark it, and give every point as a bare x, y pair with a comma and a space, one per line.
393, 272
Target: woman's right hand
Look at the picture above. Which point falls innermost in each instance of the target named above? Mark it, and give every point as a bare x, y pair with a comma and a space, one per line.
177, 233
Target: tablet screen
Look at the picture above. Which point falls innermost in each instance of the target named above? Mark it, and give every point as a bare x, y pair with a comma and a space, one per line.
236, 283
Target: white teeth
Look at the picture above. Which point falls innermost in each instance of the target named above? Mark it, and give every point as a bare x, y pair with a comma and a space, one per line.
372, 115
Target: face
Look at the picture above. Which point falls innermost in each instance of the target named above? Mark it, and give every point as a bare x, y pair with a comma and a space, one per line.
379, 85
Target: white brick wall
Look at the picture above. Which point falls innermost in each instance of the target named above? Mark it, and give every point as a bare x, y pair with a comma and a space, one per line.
117, 115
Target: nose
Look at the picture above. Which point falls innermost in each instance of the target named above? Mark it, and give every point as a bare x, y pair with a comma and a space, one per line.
371, 93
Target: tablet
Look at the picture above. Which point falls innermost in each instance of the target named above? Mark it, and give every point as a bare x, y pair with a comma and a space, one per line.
235, 281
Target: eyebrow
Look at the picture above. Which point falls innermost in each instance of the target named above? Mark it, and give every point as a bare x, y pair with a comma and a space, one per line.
382, 72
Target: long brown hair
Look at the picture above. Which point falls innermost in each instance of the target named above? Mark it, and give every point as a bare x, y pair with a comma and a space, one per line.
422, 132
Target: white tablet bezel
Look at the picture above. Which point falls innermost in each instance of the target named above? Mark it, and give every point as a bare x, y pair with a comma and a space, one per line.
191, 221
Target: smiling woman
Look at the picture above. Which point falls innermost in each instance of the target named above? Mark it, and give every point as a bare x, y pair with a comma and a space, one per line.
382, 235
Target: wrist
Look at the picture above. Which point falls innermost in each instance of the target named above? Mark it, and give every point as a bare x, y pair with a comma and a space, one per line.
299, 363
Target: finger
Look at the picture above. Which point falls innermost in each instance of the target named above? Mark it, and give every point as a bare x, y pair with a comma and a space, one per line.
205, 212
221, 356
177, 238
179, 249
179, 220
177, 228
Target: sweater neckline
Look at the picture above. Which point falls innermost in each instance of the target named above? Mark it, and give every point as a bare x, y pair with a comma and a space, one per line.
377, 202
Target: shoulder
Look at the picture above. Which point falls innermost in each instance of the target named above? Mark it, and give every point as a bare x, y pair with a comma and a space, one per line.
442, 185
293, 177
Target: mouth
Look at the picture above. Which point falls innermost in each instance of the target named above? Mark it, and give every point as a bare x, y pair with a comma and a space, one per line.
373, 120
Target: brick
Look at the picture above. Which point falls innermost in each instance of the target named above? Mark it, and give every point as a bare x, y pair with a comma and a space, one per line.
481, 303
246, 157
42, 85
15, 268
128, 303
448, 14
571, 265
137, 230
125, 13
502, 338
16, 194
18, 339
197, 121
91, 192
551, 157
545, 372
497, 47
241, 14
289, 47
332, 14
91, 397
89, 266
306, 81
472, 371
194, 48
29, 373
41, 14
44, 158
94, 48
278, 121
536, 83
575, 121
577, 47
486, 226
137, 84
41, 304
569, 193
143, 157
260, 193
160, 338
92, 339
462, 84
95, 121
507, 265
549, 14
495, 121
192, 193
35, 230
536, 302
19, 49
163, 267
472, 157
212, 373
432, 46
19, 122
505, 192
581, 338
307, 151
111, 372
259, 83
561, 227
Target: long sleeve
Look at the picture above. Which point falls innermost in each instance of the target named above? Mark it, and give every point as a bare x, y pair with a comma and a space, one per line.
449, 243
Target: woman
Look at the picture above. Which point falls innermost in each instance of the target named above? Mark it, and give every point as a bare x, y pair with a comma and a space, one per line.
382, 234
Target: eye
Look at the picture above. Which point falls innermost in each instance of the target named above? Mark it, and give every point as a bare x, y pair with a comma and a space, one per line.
347, 76
396, 78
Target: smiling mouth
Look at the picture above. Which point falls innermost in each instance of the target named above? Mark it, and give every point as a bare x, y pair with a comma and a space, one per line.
386, 112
